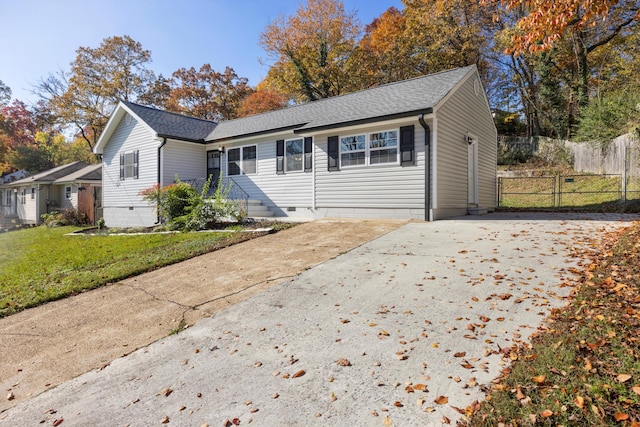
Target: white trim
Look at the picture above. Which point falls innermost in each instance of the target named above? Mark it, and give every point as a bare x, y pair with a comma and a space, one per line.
367, 149
472, 169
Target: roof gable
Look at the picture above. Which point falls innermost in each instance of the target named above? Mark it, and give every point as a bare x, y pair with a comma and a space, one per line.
394, 100
162, 124
87, 173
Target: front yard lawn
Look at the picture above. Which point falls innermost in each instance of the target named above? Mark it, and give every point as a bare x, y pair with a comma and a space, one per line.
42, 264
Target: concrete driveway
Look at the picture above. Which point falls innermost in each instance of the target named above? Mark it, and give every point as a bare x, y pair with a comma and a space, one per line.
403, 330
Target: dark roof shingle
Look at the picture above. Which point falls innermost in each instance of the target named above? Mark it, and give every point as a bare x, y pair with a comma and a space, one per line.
173, 125
398, 99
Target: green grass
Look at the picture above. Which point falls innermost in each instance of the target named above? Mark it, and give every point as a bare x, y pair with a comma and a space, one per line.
42, 264
585, 369
577, 191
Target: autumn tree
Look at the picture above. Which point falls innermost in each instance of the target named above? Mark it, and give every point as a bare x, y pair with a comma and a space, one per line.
207, 93
262, 100
311, 50
382, 52
99, 77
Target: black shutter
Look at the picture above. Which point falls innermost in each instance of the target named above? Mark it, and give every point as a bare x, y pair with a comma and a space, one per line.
333, 150
121, 166
280, 156
407, 146
308, 154
136, 163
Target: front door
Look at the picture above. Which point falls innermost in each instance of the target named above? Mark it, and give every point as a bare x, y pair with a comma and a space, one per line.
213, 166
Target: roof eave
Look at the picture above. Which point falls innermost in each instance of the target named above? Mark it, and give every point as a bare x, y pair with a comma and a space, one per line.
179, 138
257, 133
364, 121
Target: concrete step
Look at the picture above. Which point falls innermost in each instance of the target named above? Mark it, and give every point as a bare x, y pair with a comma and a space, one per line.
255, 208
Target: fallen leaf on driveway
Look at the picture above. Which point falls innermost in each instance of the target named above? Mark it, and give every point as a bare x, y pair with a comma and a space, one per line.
441, 400
299, 374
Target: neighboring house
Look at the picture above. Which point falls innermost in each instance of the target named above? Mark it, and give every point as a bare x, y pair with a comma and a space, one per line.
75, 185
13, 176
421, 149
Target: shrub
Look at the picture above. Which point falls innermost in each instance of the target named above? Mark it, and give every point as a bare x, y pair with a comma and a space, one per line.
183, 208
66, 217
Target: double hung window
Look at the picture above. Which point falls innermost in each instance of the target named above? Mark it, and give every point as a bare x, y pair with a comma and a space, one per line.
242, 160
369, 149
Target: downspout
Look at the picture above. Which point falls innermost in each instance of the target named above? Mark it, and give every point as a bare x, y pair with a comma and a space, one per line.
427, 168
164, 141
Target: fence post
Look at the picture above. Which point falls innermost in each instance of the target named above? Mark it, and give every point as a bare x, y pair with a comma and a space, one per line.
557, 182
624, 173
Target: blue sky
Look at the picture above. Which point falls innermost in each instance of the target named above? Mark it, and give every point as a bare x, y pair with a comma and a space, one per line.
41, 36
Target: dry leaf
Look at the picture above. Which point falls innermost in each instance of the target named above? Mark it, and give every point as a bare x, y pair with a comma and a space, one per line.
579, 401
57, 422
165, 420
460, 354
546, 413
398, 404
10, 396
235, 421
343, 362
441, 400
387, 421
383, 333
299, 374
420, 387
519, 394
636, 389
166, 392
539, 379
445, 420
332, 397
619, 416
623, 378
459, 410
409, 389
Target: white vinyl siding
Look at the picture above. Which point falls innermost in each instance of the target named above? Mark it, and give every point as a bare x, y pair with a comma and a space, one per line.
384, 189
123, 205
464, 113
187, 160
277, 191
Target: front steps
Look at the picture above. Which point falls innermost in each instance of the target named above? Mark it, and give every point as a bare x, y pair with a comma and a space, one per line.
255, 209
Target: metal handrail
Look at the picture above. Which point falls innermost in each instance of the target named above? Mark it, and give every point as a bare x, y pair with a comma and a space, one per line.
236, 193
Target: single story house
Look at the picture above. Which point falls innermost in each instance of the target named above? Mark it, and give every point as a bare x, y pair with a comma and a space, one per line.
423, 149
75, 185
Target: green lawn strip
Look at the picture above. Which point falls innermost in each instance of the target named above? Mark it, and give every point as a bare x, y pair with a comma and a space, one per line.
585, 369
42, 264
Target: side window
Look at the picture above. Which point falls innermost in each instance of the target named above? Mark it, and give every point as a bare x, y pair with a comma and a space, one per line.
67, 193
33, 193
23, 196
129, 162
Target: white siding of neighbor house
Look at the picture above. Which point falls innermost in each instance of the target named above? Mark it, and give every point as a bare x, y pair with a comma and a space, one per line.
380, 191
123, 205
464, 112
187, 160
278, 192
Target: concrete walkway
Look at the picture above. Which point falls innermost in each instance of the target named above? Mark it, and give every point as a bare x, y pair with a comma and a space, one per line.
404, 330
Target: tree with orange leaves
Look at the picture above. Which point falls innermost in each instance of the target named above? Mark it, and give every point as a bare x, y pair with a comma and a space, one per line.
546, 21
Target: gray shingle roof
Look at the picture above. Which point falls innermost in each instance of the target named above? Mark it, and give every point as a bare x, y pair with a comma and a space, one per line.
50, 175
173, 125
88, 173
398, 99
